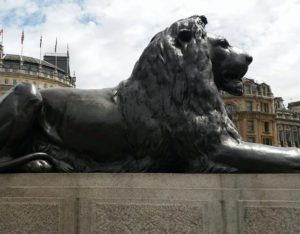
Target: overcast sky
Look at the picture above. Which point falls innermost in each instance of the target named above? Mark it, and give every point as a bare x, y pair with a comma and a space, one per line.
106, 37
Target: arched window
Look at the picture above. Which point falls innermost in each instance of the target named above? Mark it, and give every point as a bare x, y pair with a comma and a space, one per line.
264, 92
247, 89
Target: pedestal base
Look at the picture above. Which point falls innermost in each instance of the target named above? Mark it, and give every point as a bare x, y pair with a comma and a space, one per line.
149, 203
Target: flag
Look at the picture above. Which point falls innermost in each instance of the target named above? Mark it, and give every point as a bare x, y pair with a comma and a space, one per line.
68, 50
41, 40
55, 45
22, 37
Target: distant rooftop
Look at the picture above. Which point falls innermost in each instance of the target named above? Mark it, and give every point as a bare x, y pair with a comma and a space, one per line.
27, 59
293, 104
59, 60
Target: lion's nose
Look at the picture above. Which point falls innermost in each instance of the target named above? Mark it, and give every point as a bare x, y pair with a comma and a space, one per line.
249, 58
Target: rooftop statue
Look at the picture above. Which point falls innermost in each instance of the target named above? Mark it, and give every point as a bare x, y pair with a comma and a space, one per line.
167, 117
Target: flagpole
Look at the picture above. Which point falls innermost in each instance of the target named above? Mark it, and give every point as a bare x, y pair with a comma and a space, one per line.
41, 49
55, 49
22, 41
1, 48
68, 59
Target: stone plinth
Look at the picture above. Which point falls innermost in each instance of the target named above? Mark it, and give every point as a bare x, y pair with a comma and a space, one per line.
149, 203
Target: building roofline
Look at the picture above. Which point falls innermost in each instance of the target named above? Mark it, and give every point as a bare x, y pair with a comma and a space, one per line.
291, 104
56, 54
28, 59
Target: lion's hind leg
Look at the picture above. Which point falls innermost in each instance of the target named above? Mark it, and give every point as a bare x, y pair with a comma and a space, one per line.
19, 108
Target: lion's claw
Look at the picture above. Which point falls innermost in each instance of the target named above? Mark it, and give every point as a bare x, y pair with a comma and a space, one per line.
63, 166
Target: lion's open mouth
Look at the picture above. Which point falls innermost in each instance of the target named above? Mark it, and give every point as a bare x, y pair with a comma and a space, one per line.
228, 75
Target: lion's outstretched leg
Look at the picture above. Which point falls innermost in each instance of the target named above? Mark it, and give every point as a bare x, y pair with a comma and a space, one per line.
256, 158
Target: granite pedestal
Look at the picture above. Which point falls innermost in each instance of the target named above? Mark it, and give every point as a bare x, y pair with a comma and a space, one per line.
149, 203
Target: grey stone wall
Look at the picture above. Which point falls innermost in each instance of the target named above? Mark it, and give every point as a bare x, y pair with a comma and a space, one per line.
149, 203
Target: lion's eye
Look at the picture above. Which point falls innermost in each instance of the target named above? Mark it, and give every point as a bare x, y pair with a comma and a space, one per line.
223, 43
203, 20
185, 35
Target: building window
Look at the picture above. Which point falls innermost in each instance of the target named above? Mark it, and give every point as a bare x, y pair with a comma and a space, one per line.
254, 88
5, 81
264, 107
247, 89
251, 139
34, 68
288, 138
25, 67
248, 106
45, 86
230, 108
14, 82
250, 126
267, 141
15, 65
296, 139
281, 138
264, 91
266, 127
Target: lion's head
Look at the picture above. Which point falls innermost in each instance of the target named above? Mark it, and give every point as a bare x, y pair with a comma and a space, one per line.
230, 64
174, 71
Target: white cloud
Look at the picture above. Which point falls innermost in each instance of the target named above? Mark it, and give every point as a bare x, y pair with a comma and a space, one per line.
106, 37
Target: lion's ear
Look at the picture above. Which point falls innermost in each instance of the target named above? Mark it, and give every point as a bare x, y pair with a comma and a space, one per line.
185, 35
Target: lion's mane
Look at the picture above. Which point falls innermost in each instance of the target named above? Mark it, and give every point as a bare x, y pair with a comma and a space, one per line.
170, 102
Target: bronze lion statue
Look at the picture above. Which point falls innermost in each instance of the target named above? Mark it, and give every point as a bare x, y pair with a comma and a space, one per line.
167, 117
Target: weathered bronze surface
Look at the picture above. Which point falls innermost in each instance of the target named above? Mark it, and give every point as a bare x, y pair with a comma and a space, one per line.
167, 117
